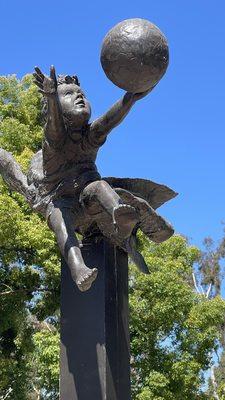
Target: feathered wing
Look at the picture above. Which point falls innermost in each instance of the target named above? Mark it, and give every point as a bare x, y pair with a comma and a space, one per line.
154, 193
12, 174
35, 172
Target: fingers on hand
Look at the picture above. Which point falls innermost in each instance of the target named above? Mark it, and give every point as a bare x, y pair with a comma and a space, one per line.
53, 74
38, 77
37, 80
38, 83
39, 73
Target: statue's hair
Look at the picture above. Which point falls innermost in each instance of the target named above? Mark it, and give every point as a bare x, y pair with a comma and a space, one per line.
61, 79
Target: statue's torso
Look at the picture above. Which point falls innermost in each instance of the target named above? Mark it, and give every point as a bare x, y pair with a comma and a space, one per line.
59, 162
63, 169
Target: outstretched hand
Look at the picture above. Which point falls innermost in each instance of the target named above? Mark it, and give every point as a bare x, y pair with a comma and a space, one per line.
139, 96
47, 85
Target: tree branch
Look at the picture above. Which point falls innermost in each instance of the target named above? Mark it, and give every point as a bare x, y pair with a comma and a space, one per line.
209, 290
7, 394
195, 283
7, 292
214, 383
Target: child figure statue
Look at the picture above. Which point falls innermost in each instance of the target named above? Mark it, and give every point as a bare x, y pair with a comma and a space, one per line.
64, 185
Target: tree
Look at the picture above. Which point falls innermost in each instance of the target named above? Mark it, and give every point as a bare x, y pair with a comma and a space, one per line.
220, 376
211, 266
173, 329
211, 271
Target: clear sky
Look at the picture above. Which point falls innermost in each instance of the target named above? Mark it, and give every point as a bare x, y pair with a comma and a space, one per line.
174, 136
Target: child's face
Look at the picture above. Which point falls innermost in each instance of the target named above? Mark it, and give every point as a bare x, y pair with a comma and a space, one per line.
75, 106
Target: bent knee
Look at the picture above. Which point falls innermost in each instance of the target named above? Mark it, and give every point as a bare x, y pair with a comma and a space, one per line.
94, 188
91, 196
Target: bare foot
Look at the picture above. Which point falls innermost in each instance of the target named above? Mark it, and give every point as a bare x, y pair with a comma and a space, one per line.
125, 219
86, 278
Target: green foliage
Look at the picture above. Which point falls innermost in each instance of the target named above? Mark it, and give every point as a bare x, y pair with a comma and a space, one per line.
219, 376
29, 258
211, 267
173, 330
46, 361
20, 115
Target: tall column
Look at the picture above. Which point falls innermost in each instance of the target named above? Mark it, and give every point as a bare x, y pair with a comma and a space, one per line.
95, 358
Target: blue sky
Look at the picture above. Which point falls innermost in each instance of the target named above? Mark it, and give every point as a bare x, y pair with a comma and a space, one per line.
174, 136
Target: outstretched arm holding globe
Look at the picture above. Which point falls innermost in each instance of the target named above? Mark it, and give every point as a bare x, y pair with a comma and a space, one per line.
134, 57
115, 115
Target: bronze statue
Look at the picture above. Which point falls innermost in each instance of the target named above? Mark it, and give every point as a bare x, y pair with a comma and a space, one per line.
64, 185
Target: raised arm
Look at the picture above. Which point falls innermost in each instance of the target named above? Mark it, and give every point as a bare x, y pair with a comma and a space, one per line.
55, 128
103, 125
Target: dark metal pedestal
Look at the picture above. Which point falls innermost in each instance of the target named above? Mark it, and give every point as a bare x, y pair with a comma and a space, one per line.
94, 329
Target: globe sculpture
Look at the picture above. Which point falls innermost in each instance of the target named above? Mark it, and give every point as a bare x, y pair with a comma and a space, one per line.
135, 55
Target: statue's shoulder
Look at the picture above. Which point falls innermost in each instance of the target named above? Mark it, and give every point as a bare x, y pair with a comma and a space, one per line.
93, 138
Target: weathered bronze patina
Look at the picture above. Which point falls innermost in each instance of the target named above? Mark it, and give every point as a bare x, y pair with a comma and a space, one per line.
64, 185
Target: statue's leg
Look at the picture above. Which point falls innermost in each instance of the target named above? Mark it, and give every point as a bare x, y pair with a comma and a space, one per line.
130, 245
62, 222
99, 195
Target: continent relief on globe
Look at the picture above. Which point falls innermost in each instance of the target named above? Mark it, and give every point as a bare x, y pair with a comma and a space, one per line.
135, 55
